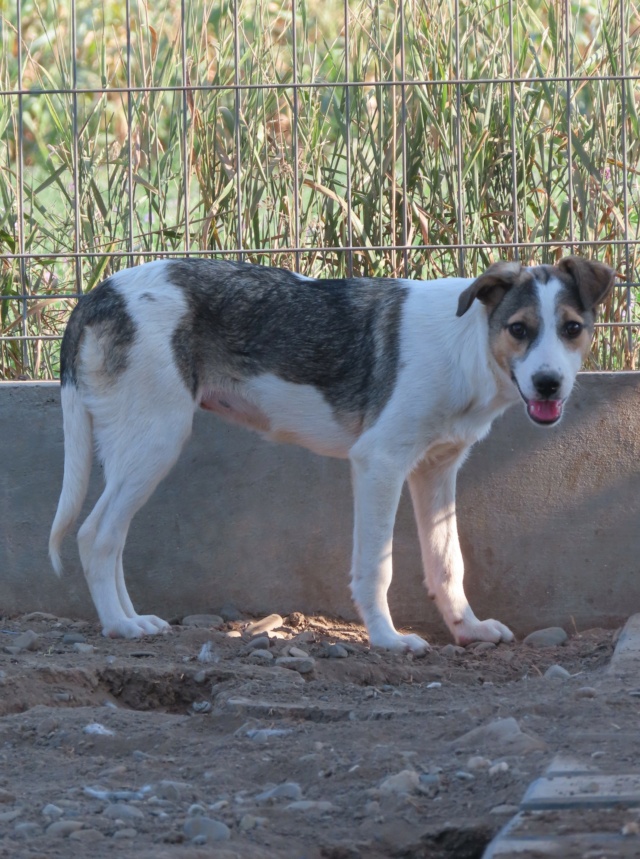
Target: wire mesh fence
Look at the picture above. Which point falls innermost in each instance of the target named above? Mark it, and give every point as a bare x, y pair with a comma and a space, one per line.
380, 137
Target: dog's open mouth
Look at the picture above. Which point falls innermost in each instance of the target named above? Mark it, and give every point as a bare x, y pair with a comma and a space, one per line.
544, 411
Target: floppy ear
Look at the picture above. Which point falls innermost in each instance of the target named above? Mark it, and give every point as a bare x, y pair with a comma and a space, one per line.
593, 279
491, 287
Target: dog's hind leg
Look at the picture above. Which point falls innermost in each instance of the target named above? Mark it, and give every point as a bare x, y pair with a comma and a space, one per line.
433, 491
135, 460
377, 484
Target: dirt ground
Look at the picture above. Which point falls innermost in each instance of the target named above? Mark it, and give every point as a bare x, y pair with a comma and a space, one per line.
203, 749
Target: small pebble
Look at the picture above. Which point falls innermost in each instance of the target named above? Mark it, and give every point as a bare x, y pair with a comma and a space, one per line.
64, 828
452, 650
504, 809
586, 692
500, 767
201, 707
120, 811
301, 664
463, 775
10, 816
477, 762
631, 828
320, 805
29, 640
335, 651
482, 646
298, 652
52, 811
404, 782
259, 642
261, 657
552, 636
207, 653
249, 822
265, 624
73, 638
80, 647
556, 672
27, 830
287, 790
88, 835
128, 832
205, 829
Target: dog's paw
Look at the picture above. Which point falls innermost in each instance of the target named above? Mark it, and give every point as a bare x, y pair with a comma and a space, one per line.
401, 643
482, 630
136, 627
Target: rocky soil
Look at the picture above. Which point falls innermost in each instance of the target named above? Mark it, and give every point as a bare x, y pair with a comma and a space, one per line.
288, 737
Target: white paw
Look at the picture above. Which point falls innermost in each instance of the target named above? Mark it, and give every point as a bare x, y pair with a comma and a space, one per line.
400, 643
482, 630
136, 627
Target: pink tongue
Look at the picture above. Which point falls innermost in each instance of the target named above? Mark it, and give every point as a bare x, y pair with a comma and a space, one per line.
545, 410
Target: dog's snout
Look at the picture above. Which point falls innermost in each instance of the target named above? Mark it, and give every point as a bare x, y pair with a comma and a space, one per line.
546, 384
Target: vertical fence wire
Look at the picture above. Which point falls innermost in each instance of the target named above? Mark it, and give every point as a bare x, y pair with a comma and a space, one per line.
514, 160
458, 144
20, 189
569, 97
237, 134
347, 137
75, 151
625, 171
186, 148
130, 194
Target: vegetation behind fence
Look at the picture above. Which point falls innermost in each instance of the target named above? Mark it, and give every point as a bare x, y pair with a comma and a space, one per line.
409, 138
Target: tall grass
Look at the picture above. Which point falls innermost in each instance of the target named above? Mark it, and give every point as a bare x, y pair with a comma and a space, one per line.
294, 167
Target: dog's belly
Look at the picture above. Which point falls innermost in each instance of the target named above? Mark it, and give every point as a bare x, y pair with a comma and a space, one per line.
235, 408
283, 412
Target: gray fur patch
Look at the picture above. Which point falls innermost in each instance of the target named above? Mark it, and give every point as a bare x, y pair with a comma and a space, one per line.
522, 294
104, 310
340, 336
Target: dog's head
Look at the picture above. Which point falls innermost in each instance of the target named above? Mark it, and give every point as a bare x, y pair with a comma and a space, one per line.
540, 325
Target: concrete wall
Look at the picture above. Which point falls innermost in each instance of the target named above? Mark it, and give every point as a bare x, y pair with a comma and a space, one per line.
548, 520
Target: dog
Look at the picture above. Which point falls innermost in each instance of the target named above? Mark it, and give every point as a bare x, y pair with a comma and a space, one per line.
400, 377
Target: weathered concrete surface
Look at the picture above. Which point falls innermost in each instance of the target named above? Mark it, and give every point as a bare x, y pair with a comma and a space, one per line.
548, 520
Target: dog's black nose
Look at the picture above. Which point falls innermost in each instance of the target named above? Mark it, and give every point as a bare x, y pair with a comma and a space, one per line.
546, 384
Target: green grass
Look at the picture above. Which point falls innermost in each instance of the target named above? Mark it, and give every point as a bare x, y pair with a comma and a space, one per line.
150, 174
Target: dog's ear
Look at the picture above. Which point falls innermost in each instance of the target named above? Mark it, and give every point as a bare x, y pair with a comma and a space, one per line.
593, 279
491, 287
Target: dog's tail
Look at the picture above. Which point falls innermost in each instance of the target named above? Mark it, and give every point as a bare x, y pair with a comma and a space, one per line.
78, 455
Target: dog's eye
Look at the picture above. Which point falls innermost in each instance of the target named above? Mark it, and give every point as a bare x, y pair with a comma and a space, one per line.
572, 329
518, 330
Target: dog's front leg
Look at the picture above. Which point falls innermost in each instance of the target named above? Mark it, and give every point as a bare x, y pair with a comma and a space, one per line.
377, 484
433, 491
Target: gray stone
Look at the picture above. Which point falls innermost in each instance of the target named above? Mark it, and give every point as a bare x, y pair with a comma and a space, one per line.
335, 651
404, 782
301, 664
321, 805
9, 816
90, 836
265, 624
481, 646
29, 640
552, 636
120, 811
287, 790
127, 832
582, 791
586, 692
73, 638
64, 828
52, 811
203, 621
27, 830
298, 652
504, 735
261, 657
205, 829
260, 642
452, 650
6, 795
79, 647
174, 790
556, 672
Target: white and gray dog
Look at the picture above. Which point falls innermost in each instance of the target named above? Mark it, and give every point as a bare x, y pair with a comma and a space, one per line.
400, 377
